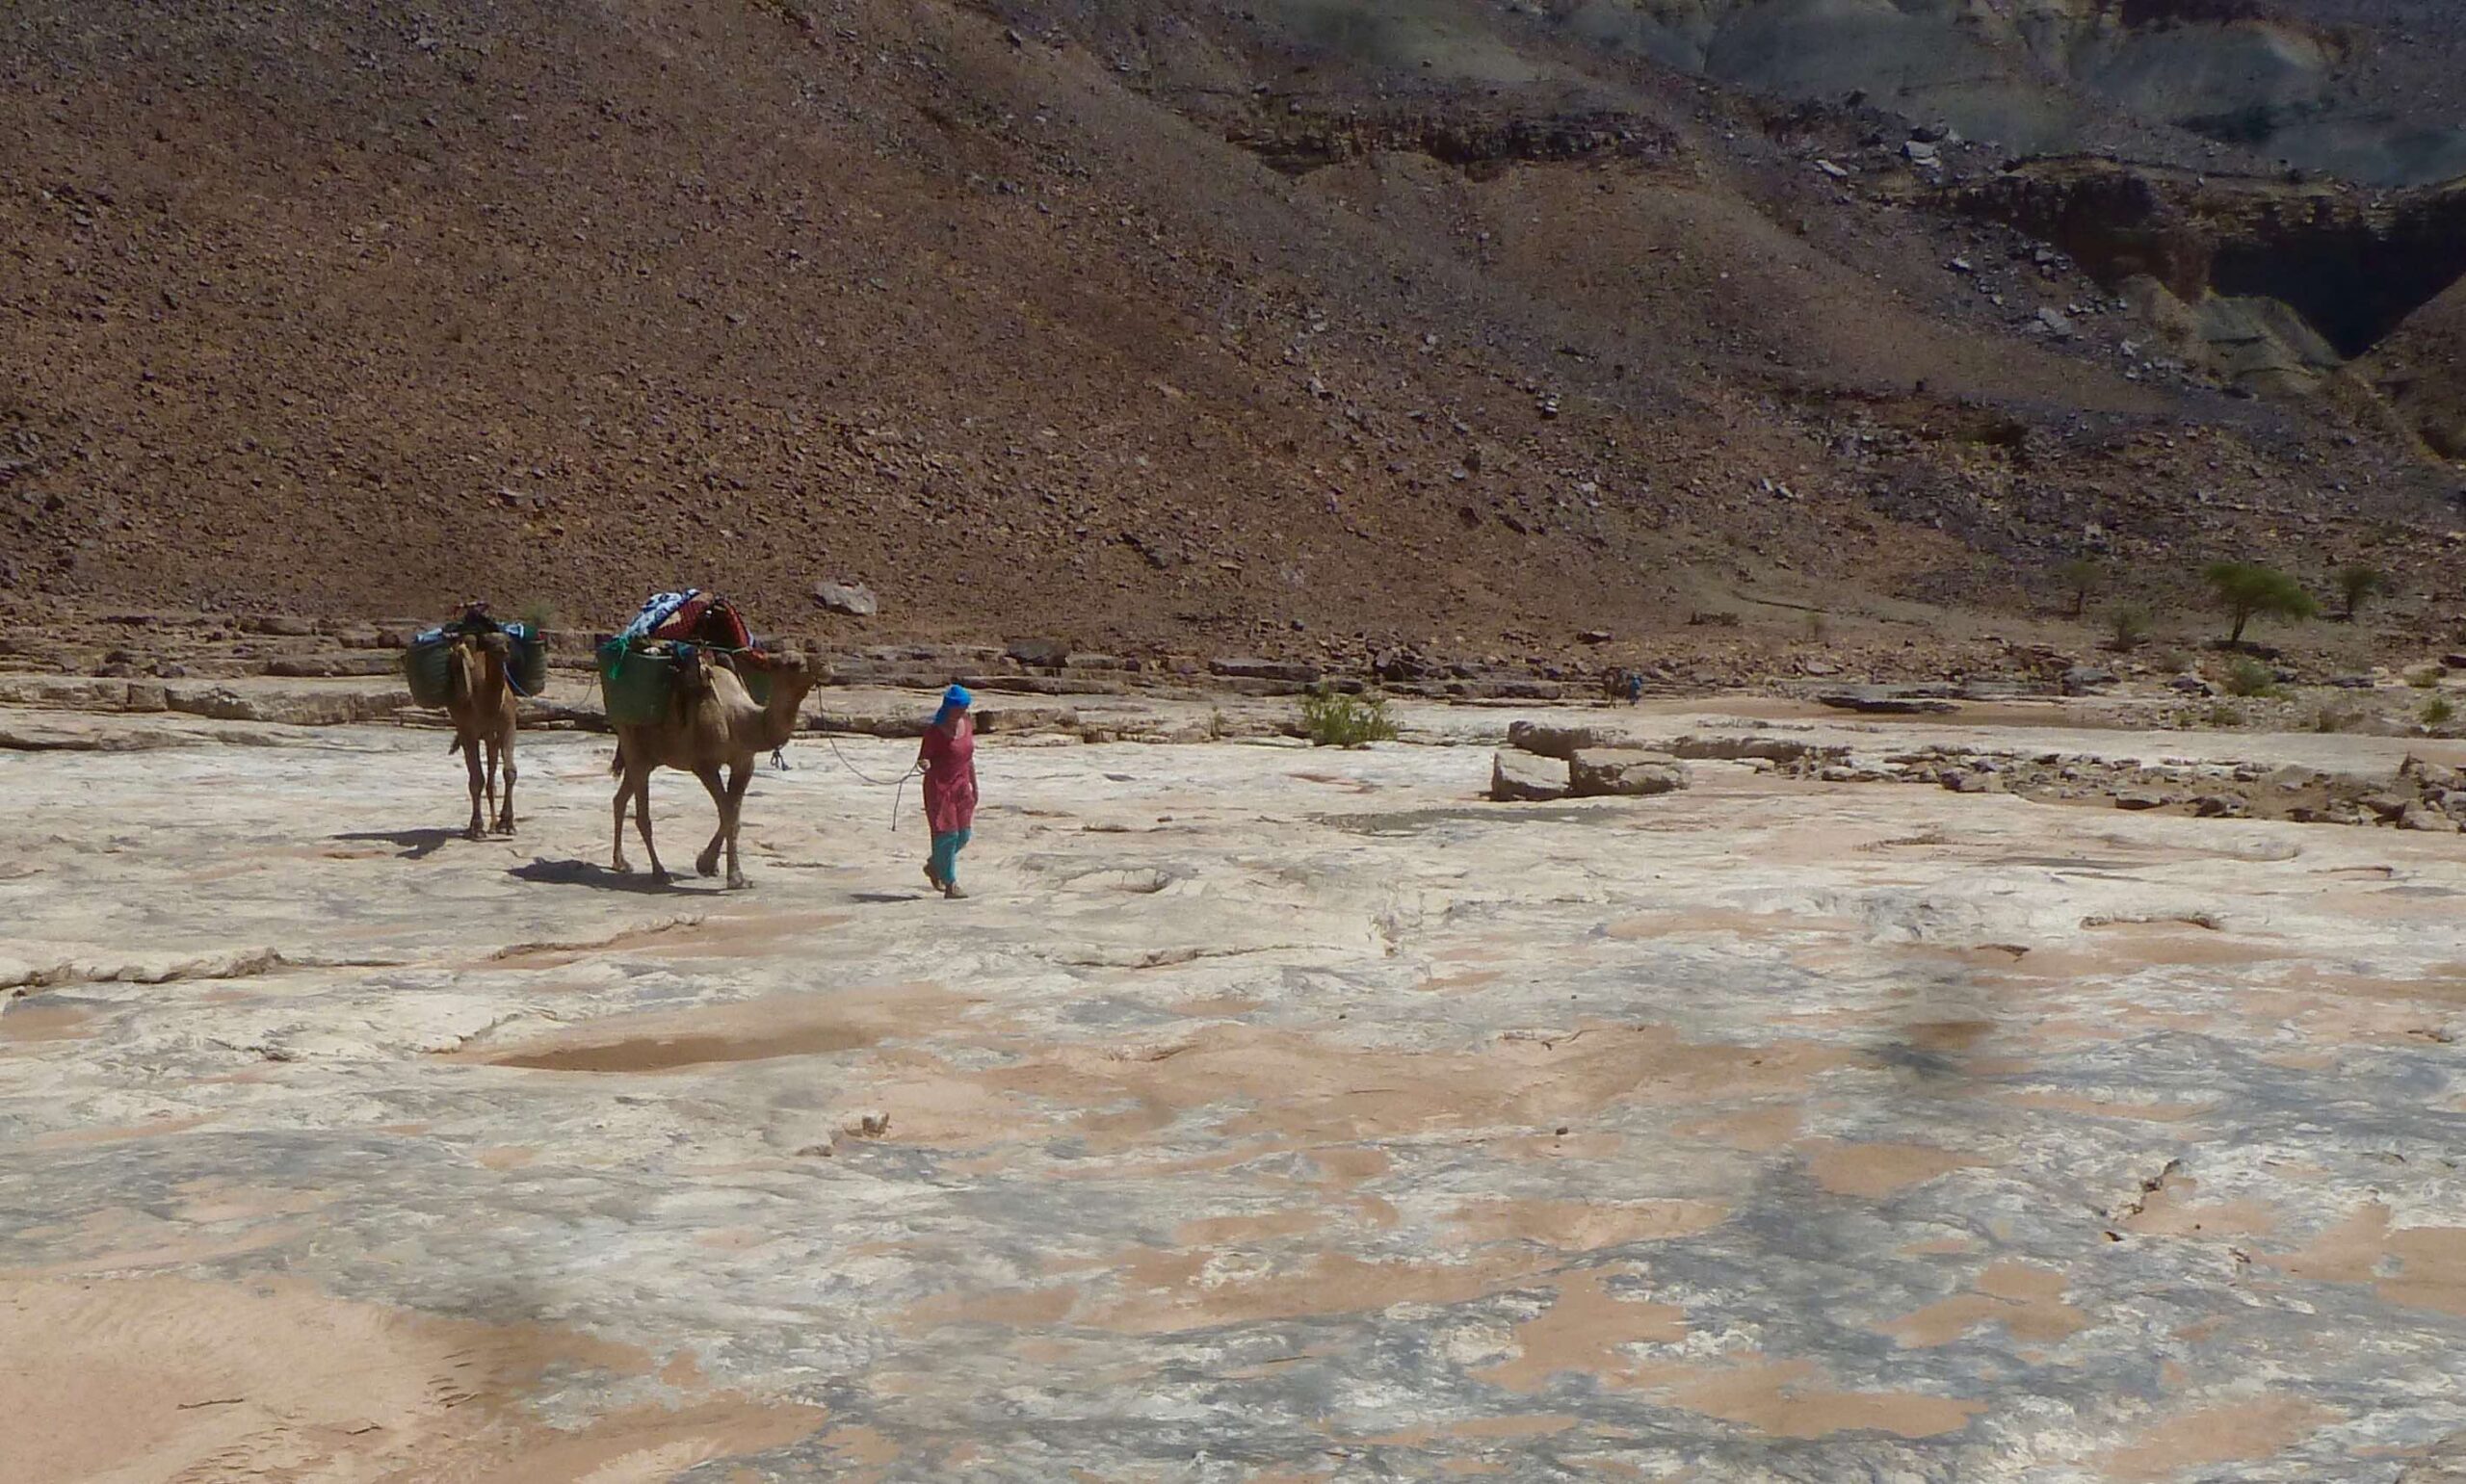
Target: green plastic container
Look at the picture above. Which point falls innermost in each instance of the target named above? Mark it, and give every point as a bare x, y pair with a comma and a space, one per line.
634, 684
530, 659
425, 665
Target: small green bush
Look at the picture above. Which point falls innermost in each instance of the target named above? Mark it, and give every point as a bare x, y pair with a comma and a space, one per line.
2438, 711
1817, 627
541, 615
2251, 678
1334, 719
2131, 623
2248, 590
2332, 718
2221, 714
2423, 679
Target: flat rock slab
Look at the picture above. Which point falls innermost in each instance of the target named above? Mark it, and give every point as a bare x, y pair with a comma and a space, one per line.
1517, 776
1562, 742
1608, 773
1263, 1110
1886, 701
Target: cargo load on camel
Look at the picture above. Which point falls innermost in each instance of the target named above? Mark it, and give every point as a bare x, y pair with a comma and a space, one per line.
427, 670
638, 666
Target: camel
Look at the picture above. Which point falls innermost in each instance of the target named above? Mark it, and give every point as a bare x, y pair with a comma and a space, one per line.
480, 701
712, 724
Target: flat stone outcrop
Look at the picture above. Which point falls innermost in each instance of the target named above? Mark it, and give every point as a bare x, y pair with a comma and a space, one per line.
1625, 773
1548, 739
1520, 777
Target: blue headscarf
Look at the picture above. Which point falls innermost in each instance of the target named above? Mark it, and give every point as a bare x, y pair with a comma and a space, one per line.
954, 699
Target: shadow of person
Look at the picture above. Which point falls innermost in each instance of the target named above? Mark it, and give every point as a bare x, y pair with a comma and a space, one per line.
416, 842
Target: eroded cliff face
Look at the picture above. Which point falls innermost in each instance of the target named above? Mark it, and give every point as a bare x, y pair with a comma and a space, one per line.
2274, 282
2420, 369
2341, 86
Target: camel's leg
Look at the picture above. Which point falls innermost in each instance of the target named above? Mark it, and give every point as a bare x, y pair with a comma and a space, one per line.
740, 775
708, 862
640, 777
505, 760
477, 771
489, 774
616, 855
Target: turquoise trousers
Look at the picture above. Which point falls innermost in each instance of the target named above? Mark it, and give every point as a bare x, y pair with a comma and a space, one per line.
946, 854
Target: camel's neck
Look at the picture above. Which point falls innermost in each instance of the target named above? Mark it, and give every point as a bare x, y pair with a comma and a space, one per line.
778, 719
477, 675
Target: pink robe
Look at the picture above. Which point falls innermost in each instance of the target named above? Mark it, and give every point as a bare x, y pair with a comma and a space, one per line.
949, 778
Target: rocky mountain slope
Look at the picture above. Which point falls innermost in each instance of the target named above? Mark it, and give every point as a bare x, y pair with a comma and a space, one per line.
1285, 327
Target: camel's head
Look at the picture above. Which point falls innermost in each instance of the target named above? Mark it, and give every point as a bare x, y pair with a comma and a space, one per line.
791, 674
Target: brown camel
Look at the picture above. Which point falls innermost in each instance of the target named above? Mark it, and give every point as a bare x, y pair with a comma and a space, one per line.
714, 723
479, 698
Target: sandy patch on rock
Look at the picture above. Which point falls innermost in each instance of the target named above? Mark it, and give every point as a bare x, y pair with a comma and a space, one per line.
139, 1380
1582, 1226
2234, 1432
1586, 1329
1878, 1170
2027, 1301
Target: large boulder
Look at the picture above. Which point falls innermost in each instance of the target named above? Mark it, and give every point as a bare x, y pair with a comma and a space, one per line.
1603, 773
2423, 817
1563, 743
855, 599
1521, 777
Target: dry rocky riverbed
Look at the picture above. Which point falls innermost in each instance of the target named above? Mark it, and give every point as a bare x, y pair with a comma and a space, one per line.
1269, 1113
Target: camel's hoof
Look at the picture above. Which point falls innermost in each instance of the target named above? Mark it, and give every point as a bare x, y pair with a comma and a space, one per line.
739, 884
706, 868
475, 834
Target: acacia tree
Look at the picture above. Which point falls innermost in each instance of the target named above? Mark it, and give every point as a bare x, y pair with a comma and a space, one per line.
2080, 576
2248, 590
2359, 581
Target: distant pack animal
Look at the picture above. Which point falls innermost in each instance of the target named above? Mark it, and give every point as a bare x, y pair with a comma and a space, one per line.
480, 701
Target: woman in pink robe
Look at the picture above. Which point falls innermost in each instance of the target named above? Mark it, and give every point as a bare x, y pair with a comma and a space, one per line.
948, 761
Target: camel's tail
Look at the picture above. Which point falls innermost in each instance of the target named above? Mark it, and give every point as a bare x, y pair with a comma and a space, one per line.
617, 764
459, 743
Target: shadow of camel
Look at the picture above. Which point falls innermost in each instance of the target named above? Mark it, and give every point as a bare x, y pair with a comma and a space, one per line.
888, 896
417, 843
601, 878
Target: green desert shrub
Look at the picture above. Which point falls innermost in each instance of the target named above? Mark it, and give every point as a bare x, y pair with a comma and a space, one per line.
1332, 718
2251, 678
2131, 624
